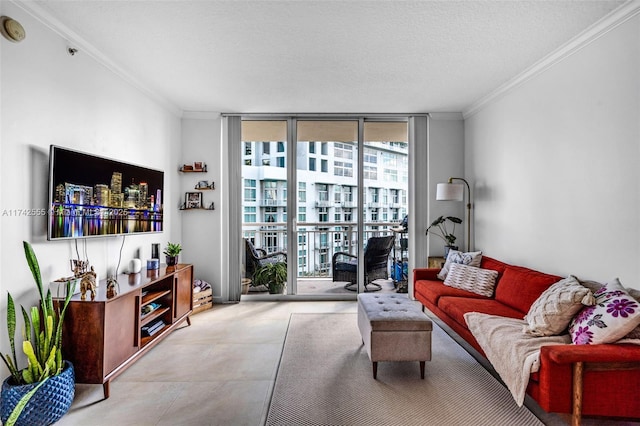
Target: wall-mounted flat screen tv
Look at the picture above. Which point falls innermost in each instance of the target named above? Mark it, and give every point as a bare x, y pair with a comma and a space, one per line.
93, 196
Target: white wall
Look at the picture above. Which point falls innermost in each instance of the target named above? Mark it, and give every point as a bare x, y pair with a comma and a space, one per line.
555, 165
49, 97
446, 153
202, 229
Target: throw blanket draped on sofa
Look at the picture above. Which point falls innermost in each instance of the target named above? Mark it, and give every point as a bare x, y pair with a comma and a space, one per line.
513, 354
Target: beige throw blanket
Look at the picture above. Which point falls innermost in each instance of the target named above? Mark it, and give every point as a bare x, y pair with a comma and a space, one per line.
513, 354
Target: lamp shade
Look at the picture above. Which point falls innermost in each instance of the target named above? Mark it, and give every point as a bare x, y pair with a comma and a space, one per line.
450, 192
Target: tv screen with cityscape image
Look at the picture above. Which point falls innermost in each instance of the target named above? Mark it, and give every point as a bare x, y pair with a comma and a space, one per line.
93, 196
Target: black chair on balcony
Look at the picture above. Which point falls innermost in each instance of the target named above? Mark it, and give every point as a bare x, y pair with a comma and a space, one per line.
257, 257
376, 264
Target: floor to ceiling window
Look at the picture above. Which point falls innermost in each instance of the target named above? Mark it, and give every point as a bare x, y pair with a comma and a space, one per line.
317, 195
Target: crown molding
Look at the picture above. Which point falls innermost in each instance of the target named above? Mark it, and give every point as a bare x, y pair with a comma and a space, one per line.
615, 18
201, 115
446, 116
78, 42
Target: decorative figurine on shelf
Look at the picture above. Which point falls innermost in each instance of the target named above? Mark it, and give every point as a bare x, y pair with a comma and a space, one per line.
79, 267
204, 184
112, 288
88, 283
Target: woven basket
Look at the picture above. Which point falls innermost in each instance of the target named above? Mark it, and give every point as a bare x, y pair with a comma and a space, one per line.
50, 402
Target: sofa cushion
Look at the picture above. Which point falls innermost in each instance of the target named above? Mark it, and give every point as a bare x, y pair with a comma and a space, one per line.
614, 315
470, 278
434, 290
519, 287
470, 258
493, 264
456, 307
552, 312
513, 354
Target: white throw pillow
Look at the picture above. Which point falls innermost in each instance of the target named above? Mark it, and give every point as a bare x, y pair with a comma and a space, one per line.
614, 315
553, 310
470, 278
472, 258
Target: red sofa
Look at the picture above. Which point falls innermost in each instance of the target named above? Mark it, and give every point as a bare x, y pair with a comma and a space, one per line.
610, 372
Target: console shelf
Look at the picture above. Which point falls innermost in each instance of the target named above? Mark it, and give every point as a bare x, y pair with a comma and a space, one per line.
152, 296
146, 340
103, 337
146, 319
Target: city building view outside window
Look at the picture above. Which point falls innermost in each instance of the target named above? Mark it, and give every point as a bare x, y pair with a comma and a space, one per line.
326, 189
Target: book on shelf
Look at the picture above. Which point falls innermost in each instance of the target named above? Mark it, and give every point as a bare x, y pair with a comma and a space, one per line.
152, 328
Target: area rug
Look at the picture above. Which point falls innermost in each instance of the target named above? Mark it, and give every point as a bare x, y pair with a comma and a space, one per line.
325, 378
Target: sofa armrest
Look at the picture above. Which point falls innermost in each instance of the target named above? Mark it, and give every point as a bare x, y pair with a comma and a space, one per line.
567, 354
575, 377
425, 274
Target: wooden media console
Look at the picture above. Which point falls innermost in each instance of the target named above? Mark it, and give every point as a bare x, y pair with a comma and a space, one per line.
102, 337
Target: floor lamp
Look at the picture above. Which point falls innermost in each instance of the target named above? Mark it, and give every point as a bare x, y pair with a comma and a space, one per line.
455, 192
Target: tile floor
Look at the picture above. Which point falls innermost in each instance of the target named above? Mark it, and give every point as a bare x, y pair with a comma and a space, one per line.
218, 371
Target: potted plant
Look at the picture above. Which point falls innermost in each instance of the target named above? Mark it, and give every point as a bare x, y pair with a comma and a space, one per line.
273, 276
42, 392
172, 251
439, 227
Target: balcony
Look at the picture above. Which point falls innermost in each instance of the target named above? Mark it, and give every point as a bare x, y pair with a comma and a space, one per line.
314, 242
273, 203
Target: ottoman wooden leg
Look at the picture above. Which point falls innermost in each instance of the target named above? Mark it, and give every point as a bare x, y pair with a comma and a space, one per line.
422, 369
375, 369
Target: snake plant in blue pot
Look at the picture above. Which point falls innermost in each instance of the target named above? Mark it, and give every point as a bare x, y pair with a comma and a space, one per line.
41, 393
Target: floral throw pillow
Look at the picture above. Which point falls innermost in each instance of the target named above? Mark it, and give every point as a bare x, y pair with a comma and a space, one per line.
613, 316
472, 258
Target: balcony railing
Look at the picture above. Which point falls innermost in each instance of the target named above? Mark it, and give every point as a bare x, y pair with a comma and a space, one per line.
273, 203
316, 247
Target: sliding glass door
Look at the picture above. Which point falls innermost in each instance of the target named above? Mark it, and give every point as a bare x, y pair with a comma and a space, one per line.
385, 170
321, 195
327, 225
264, 205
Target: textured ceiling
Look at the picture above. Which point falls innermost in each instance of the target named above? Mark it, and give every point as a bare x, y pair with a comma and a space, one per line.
325, 56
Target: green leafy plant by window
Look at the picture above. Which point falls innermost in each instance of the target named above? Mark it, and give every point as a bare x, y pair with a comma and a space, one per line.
273, 276
439, 227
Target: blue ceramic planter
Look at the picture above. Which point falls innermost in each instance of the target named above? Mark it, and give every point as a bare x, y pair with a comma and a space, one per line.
50, 402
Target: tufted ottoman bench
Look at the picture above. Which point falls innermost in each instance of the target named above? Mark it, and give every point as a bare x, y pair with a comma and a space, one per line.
394, 328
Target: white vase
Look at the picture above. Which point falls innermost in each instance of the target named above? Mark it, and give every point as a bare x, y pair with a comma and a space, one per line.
135, 266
